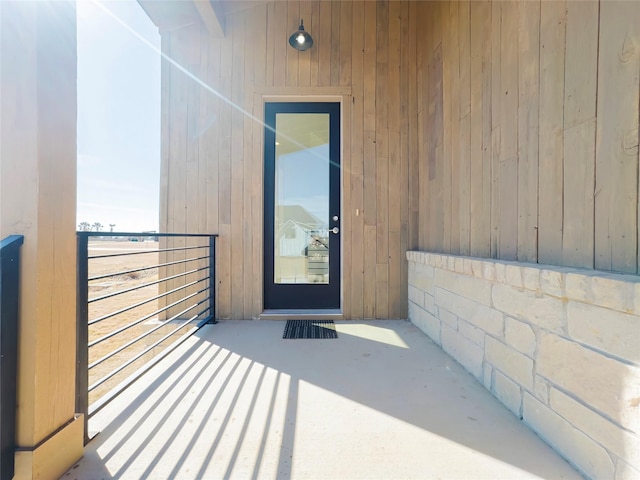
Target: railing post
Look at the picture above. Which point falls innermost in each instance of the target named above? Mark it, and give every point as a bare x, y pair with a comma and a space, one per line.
82, 332
212, 279
9, 311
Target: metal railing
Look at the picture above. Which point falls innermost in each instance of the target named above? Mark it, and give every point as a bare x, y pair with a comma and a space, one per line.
9, 302
140, 295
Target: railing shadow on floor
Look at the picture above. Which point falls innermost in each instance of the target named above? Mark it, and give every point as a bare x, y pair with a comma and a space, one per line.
240, 401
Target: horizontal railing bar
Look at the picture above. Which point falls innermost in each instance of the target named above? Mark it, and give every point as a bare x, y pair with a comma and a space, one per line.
144, 252
146, 350
145, 234
122, 386
139, 304
143, 285
133, 324
126, 272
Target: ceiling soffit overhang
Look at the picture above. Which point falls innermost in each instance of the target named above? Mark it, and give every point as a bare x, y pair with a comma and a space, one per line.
169, 15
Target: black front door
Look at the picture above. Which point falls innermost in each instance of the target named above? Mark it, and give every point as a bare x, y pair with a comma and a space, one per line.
302, 206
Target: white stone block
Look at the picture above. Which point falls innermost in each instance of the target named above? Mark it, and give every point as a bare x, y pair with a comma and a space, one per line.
422, 278
531, 278
447, 317
607, 330
513, 276
501, 272
485, 318
429, 304
510, 362
615, 291
468, 287
468, 354
458, 264
468, 267
591, 458
477, 268
487, 376
607, 385
624, 471
472, 333
578, 287
451, 264
544, 311
508, 393
552, 283
520, 336
427, 270
541, 389
426, 322
489, 271
416, 296
617, 440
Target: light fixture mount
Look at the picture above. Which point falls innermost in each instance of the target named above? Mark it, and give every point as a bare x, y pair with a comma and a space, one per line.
301, 40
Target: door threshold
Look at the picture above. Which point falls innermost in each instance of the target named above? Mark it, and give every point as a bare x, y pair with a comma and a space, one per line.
302, 314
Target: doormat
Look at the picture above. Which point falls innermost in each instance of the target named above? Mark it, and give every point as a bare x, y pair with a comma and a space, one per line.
310, 329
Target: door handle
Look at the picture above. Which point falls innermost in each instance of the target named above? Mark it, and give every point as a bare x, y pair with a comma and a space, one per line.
335, 230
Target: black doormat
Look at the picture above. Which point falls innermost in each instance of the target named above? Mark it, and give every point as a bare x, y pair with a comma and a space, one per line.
310, 329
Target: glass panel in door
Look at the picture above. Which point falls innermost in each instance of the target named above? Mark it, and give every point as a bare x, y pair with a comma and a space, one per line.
301, 220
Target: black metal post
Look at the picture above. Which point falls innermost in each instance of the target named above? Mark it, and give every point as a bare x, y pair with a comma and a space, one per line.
9, 311
212, 279
82, 332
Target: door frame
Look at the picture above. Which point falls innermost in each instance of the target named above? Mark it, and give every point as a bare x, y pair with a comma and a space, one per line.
261, 96
307, 295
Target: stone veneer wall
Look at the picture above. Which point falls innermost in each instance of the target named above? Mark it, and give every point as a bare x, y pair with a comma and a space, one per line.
559, 347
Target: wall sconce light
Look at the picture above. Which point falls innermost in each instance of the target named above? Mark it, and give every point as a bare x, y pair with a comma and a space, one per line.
301, 40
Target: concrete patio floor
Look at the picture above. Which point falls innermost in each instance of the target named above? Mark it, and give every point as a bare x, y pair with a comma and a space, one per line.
381, 401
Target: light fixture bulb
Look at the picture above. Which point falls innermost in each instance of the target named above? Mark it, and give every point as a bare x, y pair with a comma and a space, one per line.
301, 40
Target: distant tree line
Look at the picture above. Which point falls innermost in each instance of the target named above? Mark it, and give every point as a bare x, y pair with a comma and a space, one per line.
96, 227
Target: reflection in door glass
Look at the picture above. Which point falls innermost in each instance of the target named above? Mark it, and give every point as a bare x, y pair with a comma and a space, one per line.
301, 214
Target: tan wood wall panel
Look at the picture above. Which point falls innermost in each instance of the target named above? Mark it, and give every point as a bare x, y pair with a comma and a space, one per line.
534, 156
212, 156
501, 129
616, 199
38, 200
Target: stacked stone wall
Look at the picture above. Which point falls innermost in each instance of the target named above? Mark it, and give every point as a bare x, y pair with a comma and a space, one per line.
559, 347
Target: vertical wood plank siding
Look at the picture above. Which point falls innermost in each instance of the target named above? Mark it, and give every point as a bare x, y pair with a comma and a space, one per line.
545, 146
212, 155
494, 129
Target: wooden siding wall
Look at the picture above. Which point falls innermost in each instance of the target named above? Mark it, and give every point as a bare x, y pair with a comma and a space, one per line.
212, 163
528, 131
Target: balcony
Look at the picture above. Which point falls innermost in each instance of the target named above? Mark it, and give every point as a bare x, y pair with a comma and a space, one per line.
381, 401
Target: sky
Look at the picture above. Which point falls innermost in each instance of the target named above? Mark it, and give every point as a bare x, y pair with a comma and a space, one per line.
118, 117
303, 179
